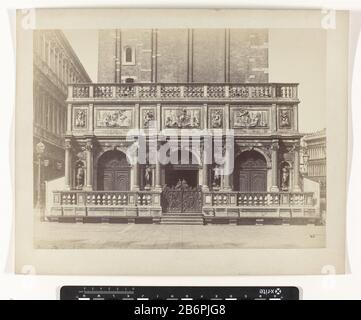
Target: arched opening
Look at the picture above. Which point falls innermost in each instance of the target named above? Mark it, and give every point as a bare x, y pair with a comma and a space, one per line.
113, 172
181, 193
250, 172
183, 170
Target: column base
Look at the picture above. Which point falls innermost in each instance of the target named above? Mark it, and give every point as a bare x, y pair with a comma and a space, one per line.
136, 188
275, 189
296, 189
158, 188
205, 188
88, 188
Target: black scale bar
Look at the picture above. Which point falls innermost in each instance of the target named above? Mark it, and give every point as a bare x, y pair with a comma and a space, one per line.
178, 293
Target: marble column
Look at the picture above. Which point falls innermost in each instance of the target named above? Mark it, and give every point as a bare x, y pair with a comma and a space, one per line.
296, 170
89, 164
158, 182
205, 186
226, 182
274, 147
226, 176
135, 186
68, 164
206, 151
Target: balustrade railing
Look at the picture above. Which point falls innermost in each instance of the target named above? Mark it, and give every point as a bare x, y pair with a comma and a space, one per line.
185, 90
219, 198
263, 199
106, 198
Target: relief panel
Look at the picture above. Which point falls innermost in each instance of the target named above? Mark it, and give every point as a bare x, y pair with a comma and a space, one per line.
114, 117
148, 115
179, 117
250, 117
216, 118
80, 118
285, 118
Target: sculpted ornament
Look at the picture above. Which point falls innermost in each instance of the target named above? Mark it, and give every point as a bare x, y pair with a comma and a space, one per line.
216, 119
148, 117
245, 118
184, 118
285, 119
80, 118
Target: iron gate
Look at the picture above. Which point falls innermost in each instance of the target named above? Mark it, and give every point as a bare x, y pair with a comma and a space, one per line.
182, 200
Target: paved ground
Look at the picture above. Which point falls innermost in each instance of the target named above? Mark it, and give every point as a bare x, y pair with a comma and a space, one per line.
53, 235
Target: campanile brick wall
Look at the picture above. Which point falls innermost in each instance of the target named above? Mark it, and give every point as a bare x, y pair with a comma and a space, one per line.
184, 55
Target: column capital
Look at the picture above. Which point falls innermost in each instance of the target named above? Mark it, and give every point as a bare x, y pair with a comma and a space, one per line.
275, 145
89, 144
68, 144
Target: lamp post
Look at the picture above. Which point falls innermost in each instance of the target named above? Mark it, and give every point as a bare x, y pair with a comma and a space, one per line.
40, 149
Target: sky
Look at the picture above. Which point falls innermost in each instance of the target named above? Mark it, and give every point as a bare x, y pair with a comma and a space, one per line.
295, 55
85, 45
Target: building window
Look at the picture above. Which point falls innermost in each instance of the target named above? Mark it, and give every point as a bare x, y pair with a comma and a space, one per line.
128, 79
128, 57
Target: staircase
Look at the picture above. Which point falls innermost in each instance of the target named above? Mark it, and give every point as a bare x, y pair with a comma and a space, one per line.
182, 218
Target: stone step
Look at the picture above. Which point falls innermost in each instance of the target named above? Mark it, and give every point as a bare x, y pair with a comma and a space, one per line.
198, 223
182, 218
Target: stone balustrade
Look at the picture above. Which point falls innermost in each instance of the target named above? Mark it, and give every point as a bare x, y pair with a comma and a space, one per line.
219, 198
259, 199
229, 205
106, 198
184, 90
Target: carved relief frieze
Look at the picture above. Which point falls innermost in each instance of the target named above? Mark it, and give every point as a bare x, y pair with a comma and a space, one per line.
115, 117
182, 118
249, 117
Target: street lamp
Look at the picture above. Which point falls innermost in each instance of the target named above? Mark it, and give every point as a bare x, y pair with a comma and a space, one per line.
40, 149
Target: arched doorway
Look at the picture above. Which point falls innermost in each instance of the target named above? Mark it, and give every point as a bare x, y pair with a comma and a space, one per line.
182, 193
251, 172
113, 172
184, 167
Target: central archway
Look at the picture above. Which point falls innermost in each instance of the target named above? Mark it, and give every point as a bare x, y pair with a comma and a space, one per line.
250, 172
183, 169
182, 193
113, 172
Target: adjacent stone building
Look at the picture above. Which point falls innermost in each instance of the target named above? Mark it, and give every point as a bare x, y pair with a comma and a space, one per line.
315, 147
55, 66
171, 82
